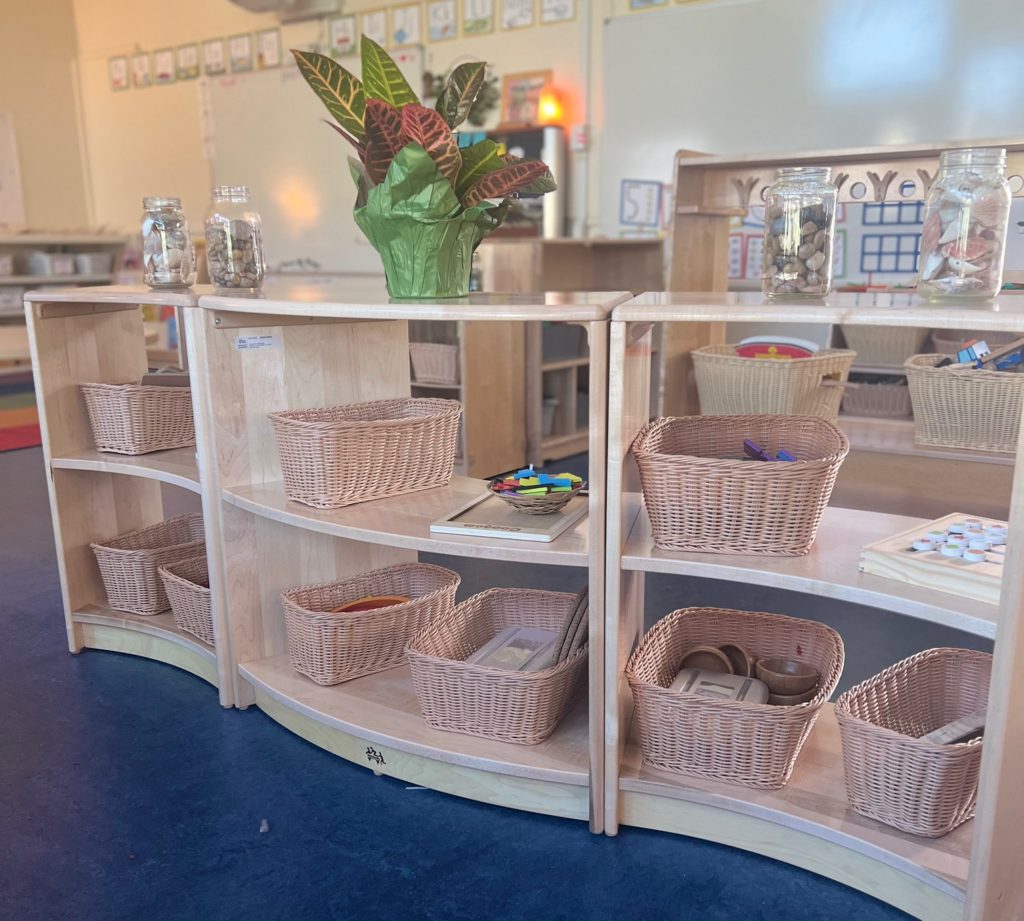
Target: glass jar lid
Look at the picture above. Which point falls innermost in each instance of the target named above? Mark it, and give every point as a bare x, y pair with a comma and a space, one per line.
817, 173
154, 202
974, 156
233, 193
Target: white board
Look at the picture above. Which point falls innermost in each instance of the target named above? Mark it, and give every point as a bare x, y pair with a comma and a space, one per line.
731, 77
294, 164
12, 199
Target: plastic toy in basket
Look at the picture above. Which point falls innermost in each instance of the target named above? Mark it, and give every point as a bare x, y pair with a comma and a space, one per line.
534, 492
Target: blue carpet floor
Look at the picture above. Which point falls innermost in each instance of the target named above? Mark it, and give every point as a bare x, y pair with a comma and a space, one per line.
126, 792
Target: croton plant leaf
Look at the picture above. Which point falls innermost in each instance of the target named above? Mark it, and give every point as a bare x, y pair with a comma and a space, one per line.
337, 88
381, 77
540, 186
383, 137
477, 161
427, 128
511, 177
362, 181
459, 92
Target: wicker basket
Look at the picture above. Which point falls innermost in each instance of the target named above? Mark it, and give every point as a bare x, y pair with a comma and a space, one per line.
701, 497
348, 454
755, 745
730, 385
891, 774
330, 648
971, 409
520, 707
948, 341
187, 584
539, 505
137, 419
129, 563
434, 363
881, 401
885, 345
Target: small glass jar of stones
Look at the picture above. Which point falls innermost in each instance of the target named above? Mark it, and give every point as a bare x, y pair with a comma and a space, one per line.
234, 239
168, 257
963, 240
799, 227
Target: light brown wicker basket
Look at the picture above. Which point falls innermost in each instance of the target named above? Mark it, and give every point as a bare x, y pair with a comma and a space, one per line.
333, 647
129, 563
880, 401
136, 419
434, 363
972, 409
539, 505
730, 385
348, 454
702, 496
755, 745
520, 707
187, 584
885, 345
948, 341
891, 774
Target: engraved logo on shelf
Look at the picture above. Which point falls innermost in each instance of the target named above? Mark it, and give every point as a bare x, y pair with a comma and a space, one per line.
249, 343
374, 756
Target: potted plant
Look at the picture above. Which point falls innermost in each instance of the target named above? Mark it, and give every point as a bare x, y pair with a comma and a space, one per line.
424, 203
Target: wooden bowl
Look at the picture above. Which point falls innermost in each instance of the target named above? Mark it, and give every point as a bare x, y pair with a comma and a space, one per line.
742, 661
708, 658
791, 700
787, 677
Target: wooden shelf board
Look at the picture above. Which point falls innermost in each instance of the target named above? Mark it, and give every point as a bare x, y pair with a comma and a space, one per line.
120, 294
896, 436
1005, 312
176, 466
561, 364
404, 521
383, 709
813, 803
341, 299
573, 443
427, 385
829, 570
62, 239
56, 279
161, 625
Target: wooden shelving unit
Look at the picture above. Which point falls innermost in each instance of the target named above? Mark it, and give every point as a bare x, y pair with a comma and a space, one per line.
335, 345
83, 335
966, 874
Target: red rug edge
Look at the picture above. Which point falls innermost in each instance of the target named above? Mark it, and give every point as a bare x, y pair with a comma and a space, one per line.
20, 436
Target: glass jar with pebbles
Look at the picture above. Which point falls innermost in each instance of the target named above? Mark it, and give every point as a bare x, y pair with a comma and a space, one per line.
234, 239
168, 257
963, 240
799, 227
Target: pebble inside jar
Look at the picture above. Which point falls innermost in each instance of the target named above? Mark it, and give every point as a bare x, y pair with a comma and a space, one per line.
234, 244
963, 240
799, 229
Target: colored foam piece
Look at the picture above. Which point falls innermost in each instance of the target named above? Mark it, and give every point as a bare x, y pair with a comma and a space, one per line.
560, 481
529, 481
534, 491
561, 489
571, 477
523, 473
544, 479
784, 455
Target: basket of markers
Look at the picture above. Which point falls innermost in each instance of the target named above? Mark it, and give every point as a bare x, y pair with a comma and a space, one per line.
534, 492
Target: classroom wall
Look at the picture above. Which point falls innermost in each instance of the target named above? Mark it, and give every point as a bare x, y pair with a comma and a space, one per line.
149, 141
37, 56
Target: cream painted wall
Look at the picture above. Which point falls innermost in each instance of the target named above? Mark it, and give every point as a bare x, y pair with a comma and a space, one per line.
149, 141
37, 56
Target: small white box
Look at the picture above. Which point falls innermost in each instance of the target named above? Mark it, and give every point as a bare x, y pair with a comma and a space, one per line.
94, 263
42, 263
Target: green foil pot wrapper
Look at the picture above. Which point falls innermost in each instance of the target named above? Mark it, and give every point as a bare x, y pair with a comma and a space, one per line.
415, 222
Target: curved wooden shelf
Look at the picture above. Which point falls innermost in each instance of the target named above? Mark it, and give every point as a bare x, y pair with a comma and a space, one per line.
375, 721
829, 570
176, 466
154, 637
807, 823
404, 522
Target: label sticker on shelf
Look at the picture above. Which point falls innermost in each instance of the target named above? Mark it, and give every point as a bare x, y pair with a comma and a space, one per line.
248, 343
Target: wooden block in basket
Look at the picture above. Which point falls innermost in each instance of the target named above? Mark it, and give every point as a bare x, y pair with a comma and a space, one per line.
755, 745
329, 646
520, 707
342, 455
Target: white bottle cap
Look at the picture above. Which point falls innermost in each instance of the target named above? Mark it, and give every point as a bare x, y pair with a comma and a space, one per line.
972, 533
957, 527
951, 550
957, 540
975, 556
980, 543
936, 536
923, 544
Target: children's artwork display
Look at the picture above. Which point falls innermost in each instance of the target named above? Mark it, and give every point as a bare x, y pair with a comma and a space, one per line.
477, 17
406, 25
214, 57
552, 11
163, 65
117, 68
188, 62
520, 96
374, 25
516, 14
442, 20
344, 37
240, 53
142, 75
268, 49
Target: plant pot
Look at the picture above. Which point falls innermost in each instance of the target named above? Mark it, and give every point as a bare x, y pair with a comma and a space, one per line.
425, 259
